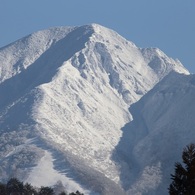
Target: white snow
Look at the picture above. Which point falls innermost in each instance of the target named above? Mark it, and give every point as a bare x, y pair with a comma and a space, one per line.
44, 174
72, 88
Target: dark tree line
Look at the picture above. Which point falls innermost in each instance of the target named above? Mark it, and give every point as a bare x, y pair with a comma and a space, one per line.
16, 187
183, 181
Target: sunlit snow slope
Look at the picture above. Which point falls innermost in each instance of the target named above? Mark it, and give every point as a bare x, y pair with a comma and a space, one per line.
64, 99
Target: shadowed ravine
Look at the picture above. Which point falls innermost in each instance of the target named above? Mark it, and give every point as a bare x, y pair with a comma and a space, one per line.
133, 132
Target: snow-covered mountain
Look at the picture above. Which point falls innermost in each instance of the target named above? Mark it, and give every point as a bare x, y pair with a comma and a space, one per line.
65, 95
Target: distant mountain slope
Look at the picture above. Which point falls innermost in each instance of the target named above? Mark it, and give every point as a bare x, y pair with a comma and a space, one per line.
64, 97
163, 125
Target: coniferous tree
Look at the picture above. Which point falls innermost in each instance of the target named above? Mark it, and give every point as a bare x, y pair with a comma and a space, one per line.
28, 189
77, 193
46, 191
14, 187
183, 181
3, 190
63, 193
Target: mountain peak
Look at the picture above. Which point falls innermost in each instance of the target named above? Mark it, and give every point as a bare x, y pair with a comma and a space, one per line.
65, 92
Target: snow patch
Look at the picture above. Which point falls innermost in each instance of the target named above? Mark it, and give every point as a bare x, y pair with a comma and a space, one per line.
44, 174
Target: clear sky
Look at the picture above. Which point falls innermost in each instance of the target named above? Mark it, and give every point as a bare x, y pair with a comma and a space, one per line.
168, 24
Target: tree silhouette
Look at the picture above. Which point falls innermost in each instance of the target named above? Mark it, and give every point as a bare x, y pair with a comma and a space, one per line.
77, 193
3, 189
183, 181
28, 189
63, 193
14, 187
46, 191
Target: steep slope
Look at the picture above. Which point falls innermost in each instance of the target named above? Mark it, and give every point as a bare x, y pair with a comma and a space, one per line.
163, 125
19, 55
66, 92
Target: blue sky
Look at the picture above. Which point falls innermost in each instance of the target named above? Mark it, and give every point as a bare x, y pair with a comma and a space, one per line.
168, 25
